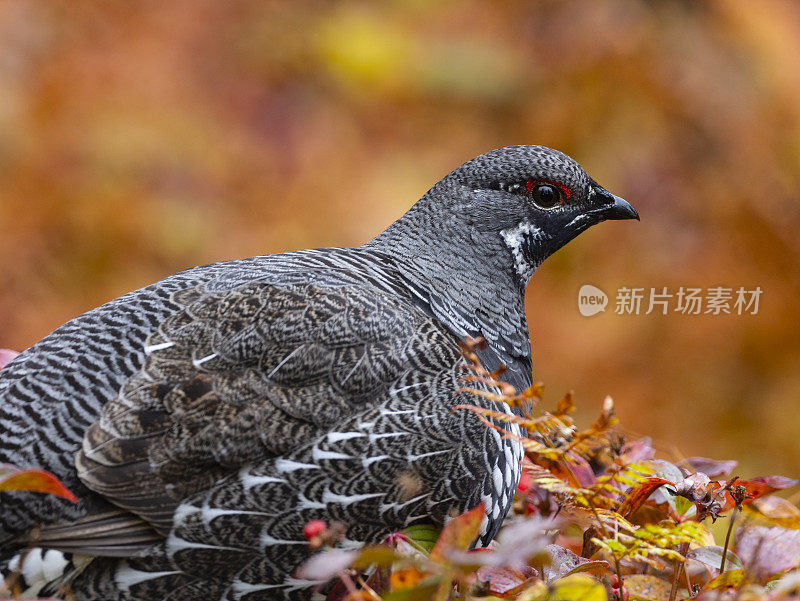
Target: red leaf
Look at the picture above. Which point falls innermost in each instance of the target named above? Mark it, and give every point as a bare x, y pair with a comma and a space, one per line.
524, 482
758, 487
338, 592
459, 534
769, 483
581, 469
500, 581
13, 478
637, 496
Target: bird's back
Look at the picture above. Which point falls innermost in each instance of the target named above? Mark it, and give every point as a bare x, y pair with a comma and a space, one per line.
53, 392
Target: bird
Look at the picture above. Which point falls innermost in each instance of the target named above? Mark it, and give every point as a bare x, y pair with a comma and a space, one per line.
203, 420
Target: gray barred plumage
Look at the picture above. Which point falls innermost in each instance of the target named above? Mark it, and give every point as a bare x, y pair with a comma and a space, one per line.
203, 420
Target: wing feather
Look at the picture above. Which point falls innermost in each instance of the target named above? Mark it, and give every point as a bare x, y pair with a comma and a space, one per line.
111, 534
240, 375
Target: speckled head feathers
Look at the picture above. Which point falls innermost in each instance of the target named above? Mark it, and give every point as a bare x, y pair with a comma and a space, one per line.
508, 209
514, 164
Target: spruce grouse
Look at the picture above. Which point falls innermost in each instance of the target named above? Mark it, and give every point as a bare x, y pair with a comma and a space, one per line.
203, 420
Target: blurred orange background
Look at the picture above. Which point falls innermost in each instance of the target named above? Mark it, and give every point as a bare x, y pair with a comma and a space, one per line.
139, 138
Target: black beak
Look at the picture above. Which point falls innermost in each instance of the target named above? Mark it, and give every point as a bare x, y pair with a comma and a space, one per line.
610, 206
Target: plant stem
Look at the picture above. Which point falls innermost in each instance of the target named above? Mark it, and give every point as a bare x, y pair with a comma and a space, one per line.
688, 582
348, 582
676, 576
608, 536
572, 475
368, 589
619, 577
727, 540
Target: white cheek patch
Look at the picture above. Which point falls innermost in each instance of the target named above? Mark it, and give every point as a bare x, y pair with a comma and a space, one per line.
514, 239
577, 221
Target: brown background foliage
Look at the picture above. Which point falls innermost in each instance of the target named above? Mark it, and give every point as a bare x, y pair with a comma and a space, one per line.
139, 138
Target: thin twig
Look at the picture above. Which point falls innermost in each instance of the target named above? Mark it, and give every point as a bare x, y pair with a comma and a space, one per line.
688, 582
727, 540
348, 581
607, 535
368, 589
676, 576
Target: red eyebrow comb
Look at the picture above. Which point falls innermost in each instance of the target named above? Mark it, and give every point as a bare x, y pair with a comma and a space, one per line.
532, 182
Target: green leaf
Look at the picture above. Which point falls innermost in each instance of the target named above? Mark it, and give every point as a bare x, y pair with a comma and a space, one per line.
376, 555
684, 507
614, 545
424, 535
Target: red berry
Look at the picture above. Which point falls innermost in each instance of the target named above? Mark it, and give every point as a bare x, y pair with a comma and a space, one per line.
623, 595
314, 528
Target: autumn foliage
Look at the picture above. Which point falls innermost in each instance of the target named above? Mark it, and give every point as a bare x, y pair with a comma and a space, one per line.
595, 517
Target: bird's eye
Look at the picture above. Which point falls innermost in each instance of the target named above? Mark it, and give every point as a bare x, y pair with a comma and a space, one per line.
545, 193
546, 196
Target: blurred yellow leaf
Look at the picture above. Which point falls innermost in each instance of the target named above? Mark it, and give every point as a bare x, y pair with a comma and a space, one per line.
647, 588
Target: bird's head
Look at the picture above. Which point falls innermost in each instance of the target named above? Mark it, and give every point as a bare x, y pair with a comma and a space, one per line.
535, 199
